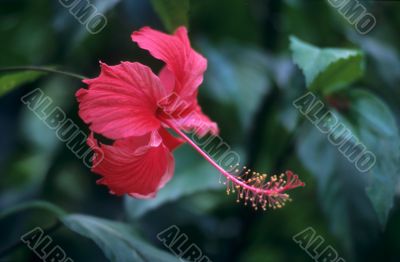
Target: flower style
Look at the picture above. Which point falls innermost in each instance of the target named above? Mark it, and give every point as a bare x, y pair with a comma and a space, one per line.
131, 105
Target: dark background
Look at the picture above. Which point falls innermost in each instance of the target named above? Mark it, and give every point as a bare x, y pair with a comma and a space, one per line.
248, 91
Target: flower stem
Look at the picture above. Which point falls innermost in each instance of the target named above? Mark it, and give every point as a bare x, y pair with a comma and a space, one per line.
41, 69
235, 180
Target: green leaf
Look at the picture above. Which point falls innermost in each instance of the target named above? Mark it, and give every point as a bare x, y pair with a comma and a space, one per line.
13, 80
172, 13
341, 190
377, 129
356, 201
193, 175
118, 241
36, 204
327, 69
348, 208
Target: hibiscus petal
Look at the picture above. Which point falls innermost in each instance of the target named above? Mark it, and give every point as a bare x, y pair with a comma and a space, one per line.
122, 101
169, 140
138, 166
186, 64
197, 122
167, 78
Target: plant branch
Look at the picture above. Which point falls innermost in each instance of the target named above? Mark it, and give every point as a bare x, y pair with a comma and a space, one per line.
41, 69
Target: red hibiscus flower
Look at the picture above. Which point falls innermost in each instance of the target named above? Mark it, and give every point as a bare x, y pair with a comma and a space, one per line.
131, 105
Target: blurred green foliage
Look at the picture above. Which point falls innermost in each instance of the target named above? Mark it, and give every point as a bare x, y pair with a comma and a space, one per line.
262, 55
